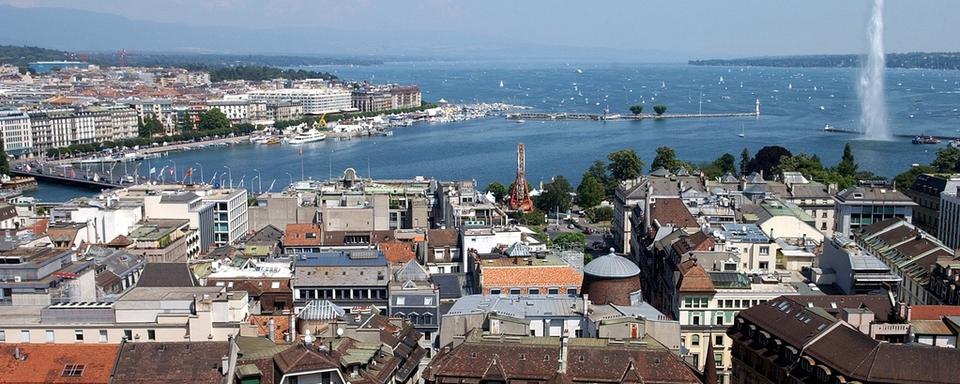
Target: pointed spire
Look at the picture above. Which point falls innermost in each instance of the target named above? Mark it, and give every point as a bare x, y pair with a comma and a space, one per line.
709, 364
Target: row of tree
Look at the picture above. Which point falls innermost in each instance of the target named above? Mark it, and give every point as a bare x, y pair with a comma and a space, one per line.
599, 182
77, 149
637, 109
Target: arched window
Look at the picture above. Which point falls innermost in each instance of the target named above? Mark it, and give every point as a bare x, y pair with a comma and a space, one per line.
695, 340
414, 318
427, 318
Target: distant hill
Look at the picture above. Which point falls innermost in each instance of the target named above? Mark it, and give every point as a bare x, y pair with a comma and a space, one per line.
20, 56
921, 60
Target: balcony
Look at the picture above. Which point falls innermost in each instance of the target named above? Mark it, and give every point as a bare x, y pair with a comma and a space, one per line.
889, 330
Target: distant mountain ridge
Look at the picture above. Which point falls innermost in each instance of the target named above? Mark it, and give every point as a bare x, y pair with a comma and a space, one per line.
912, 60
78, 30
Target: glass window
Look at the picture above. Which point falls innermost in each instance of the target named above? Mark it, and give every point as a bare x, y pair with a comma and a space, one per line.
514, 291
533, 291
78, 334
494, 291
103, 335
128, 334
151, 334
427, 301
718, 358
718, 340
50, 337
553, 291
401, 300
24, 336
3, 336
572, 291
695, 340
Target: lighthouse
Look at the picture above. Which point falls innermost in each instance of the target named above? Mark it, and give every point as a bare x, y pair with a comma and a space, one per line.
757, 112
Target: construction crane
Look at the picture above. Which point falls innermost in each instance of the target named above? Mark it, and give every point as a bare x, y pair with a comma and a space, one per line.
322, 123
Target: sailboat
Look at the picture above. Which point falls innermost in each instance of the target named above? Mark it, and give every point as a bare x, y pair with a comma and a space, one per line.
501, 83
742, 133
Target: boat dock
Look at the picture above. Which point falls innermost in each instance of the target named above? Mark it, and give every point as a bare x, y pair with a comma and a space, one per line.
832, 129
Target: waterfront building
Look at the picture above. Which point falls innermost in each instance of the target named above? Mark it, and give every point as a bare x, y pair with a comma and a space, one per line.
926, 191
862, 205
949, 219
785, 341
371, 100
284, 110
852, 269
315, 101
485, 358
44, 67
815, 198
354, 280
910, 253
15, 130
241, 110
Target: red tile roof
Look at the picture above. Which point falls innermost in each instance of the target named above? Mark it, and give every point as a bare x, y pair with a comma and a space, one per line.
672, 211
302, 235
45, 363
695, 279
397, 252
531, 276
933, 312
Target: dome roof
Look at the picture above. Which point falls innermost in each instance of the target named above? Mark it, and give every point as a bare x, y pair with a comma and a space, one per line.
611, 265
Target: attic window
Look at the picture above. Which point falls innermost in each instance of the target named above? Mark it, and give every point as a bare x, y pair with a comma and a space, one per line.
473, 355
523, 356
73, 370
580, 358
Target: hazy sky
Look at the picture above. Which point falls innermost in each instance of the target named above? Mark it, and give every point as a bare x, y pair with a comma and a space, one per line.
704, 28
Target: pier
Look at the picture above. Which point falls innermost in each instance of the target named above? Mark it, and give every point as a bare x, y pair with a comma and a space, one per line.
831, 129
614, 117
99, 184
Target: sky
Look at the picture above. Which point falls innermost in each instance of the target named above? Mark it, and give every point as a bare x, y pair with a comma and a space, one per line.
704, 28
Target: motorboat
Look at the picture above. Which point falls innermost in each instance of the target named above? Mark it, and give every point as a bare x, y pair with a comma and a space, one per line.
309, 136
926, 140
955, 143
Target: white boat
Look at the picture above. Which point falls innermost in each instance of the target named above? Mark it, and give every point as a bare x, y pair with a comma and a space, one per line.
306, 137
521, 121
955, 144
742, 133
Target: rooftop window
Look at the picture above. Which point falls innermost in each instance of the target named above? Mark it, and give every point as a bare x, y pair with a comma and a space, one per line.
73, 370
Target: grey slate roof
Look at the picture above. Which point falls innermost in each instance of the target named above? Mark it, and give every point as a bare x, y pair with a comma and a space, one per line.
166, 275
611, 265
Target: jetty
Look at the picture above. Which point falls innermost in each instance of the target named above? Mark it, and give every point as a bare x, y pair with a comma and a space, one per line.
614, 117
832, 129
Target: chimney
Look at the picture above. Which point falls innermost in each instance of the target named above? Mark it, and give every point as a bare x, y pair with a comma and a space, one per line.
271, 329
224, 365
563, 354
646, 209
586, 304
293, 328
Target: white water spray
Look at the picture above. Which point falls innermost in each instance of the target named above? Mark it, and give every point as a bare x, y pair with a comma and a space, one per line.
873, 103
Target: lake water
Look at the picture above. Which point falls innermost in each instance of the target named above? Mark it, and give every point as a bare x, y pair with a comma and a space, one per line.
795, 106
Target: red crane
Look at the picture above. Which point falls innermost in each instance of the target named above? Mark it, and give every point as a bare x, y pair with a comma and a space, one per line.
519, 195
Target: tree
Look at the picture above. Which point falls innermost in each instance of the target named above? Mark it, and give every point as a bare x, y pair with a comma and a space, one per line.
767, 159
906, 179
636, 109
745, 159
726, 163
498, 191
555, 196
4, 163
805, 164
590, 192
847, 166
659, 109
948, 160
213, 119
598, 214
571, 240
666, 158
624, 165
149, 127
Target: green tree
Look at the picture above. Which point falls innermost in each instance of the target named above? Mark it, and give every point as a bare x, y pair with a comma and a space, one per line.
726, 163
555, 196
666, 158
571, 240
624, 165
598, 214
948, 160
745, 159
4, 163
149, 127
213, 119
767, 159
590, 192
636, 109
847, 166
659, 109
498, 191
906, 179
